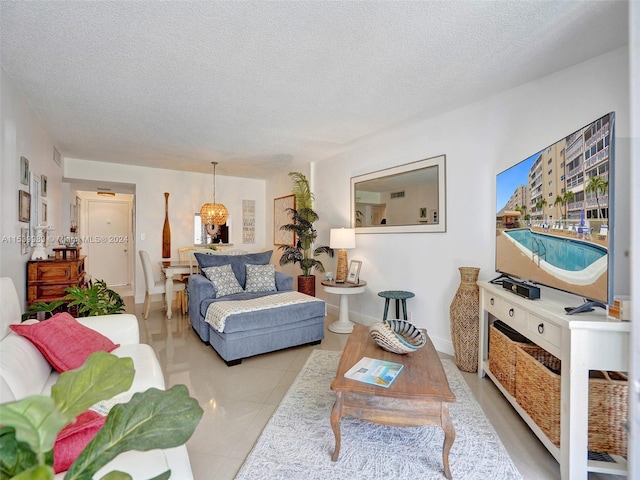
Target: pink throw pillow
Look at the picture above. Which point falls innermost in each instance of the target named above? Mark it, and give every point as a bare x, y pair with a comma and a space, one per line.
64, 342
72, 439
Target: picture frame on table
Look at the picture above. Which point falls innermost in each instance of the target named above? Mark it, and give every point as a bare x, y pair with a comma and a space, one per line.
24, 206
354, 272
281, 216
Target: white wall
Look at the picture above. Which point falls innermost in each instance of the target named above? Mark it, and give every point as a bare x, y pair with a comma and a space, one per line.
479, 140
22, 135
187, 192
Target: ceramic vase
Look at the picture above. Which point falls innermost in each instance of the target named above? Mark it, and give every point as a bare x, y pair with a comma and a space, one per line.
464, 319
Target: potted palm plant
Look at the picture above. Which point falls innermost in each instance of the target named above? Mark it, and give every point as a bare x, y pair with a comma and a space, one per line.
303, 252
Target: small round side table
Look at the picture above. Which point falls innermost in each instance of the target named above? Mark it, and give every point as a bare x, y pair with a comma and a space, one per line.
343, 325
398, 296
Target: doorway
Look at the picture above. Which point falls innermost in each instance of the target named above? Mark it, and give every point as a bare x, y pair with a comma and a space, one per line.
107, 238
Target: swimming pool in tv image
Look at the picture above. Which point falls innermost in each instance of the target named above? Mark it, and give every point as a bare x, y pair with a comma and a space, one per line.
570, 260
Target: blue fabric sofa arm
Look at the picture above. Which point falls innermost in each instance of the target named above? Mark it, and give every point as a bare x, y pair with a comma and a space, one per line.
200, 287
284, 282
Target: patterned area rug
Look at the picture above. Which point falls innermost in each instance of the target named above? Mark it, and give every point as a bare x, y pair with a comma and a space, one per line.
298, 442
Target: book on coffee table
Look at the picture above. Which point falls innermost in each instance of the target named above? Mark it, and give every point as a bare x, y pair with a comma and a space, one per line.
376, 372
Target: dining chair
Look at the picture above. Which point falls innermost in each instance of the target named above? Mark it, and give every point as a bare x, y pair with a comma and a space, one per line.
155, 285
185, 254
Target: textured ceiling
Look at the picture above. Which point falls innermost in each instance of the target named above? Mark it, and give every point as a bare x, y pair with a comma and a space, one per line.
253, 84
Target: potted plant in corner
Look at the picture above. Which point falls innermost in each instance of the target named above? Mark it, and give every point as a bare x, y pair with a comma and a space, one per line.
302, 219
98, 299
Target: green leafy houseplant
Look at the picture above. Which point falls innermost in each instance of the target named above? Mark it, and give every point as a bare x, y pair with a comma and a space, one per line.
154, 419
95, 300
302, 219
98, 299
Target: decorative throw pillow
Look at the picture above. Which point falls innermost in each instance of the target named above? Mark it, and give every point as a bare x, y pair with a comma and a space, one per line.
261, 278
237, 262
223, 279
65, 343
72, 439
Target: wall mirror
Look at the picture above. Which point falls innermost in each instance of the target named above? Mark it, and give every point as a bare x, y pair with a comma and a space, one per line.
208, 234
408, 198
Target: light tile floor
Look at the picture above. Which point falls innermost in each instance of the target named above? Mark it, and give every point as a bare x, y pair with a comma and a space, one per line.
238, 401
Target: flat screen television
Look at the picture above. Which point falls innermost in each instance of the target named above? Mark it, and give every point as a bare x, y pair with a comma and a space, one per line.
554, 216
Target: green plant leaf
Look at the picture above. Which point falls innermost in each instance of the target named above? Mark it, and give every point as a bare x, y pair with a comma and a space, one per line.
125, 476
36, 421
152, 419
117, 475
98, 299
47, 308
40, 472
101, 377
15, 456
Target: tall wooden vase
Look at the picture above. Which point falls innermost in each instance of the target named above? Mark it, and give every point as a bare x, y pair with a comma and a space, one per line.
464, 318
166, 230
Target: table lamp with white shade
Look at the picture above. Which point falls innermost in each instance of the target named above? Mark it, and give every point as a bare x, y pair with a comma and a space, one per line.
342, 238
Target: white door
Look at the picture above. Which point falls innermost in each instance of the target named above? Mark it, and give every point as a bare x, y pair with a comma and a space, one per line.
107, 242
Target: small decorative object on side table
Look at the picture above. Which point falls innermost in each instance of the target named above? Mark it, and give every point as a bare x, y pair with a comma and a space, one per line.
343, 325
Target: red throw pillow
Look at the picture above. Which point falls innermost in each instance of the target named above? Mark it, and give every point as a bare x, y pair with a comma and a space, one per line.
64, 342
74, 437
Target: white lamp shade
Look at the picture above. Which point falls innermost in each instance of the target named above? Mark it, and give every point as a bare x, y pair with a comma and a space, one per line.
342, 238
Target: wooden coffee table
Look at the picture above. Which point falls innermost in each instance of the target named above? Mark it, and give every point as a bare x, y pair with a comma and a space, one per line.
420, 395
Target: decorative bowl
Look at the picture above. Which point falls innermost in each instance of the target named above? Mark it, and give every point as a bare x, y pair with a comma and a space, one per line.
398, 336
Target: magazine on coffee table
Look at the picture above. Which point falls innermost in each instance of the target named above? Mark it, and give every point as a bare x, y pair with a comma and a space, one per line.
376, 372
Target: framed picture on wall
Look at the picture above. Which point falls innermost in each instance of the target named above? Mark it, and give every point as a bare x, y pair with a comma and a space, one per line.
24, 240
43, 186
57, 159
24, 206
281, 216
354, 271
24, 170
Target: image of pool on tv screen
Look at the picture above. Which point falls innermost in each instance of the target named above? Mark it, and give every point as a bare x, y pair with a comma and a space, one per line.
554, 214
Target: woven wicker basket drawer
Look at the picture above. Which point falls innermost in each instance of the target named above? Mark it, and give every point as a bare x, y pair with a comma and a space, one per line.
538, 393
502, 359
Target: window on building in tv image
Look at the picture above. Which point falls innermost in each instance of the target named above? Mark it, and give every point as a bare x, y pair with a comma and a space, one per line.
554, 214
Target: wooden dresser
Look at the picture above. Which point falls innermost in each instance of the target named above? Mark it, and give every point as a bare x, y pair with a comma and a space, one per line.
47, 279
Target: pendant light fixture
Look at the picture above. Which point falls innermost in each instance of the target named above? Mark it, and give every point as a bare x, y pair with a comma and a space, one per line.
214, 213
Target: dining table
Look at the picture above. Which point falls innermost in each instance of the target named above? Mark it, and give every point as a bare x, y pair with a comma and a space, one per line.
170, 268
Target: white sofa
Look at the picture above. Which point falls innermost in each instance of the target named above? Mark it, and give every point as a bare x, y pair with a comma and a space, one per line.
24, 371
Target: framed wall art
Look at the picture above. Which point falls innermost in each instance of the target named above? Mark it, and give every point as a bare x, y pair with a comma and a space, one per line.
354, 271
24, 206
57, 159
24, 240
281, 216
43, 186
24, 170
